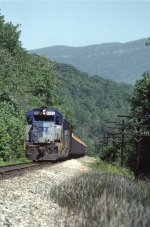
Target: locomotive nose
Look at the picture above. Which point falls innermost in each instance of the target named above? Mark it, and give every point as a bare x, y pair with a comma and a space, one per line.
43, 132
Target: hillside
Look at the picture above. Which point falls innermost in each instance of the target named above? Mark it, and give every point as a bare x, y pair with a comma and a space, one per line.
28, 81
92, 99
122, 62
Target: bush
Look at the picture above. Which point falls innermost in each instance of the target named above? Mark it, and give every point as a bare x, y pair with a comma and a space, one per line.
12, 132
110, 153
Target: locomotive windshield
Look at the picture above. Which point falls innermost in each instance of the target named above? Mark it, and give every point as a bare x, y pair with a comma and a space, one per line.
43, 118
44, 115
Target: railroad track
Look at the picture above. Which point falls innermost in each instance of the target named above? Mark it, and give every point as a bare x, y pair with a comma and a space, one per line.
19, 169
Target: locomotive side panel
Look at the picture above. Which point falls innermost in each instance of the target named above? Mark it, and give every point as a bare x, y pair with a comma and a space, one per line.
78, 147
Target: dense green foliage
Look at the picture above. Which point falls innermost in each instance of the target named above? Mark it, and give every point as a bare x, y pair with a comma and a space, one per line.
12, 132
112, 152
93, 100
140, 106
141, 97
26, 81
100, 165
123, 62
9, 36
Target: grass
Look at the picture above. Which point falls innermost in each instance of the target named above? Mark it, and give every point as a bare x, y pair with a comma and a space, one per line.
99, 165
15, 161
104, 196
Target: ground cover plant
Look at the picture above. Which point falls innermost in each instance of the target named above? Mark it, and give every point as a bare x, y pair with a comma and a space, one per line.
113, 168
101, 198
14, 161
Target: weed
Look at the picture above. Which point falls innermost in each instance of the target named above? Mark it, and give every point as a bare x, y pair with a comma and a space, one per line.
104, 199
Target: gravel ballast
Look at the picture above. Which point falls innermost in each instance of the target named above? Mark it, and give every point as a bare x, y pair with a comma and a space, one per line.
23, 201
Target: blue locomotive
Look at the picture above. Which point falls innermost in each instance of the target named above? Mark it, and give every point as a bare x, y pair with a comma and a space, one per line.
49, 136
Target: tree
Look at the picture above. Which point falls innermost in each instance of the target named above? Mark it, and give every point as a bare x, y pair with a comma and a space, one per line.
41, 81
140, 101
26, 81
9, 36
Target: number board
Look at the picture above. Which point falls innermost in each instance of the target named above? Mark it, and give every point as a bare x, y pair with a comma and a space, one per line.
49, 113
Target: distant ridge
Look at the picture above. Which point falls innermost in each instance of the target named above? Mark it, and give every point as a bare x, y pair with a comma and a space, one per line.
122, 62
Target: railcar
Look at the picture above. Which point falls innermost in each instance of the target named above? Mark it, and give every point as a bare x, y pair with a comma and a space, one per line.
49, 136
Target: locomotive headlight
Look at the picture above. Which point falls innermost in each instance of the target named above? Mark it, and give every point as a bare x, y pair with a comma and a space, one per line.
44, 112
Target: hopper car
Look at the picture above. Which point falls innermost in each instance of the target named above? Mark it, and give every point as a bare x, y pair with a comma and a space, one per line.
49, 136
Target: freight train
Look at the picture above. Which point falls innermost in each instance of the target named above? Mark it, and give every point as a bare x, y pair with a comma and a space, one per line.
49, 136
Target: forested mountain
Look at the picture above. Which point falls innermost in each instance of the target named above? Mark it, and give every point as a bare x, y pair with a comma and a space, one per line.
122, 62
92, 99
28, 81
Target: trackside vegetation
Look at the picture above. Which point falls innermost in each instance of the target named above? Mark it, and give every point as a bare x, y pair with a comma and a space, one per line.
104, 195
104, 198
140, 106
107, 167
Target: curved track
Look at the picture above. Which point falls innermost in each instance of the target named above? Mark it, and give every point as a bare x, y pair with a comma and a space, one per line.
19, 169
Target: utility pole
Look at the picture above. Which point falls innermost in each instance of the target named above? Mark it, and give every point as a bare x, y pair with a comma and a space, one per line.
122, 132
123, 125
122, 142
138, 139
138, 126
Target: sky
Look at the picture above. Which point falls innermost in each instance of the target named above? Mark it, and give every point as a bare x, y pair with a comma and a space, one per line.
77, 23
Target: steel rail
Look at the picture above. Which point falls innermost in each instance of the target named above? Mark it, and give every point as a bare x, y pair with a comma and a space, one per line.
15, 170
